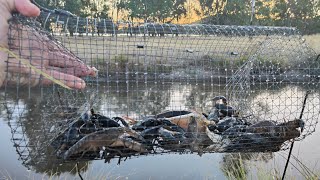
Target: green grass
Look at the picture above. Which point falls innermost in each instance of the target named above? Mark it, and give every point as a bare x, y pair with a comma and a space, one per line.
235, 167
224, 60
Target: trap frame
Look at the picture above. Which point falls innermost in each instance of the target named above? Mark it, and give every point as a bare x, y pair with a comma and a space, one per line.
266, 73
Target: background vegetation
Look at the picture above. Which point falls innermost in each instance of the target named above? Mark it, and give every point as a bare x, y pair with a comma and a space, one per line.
303, 14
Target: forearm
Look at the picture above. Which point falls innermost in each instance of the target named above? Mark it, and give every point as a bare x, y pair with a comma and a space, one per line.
4, 16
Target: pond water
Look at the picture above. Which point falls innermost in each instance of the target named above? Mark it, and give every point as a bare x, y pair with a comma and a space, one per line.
29, 121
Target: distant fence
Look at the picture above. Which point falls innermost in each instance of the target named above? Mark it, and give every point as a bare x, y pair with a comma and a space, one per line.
72, 25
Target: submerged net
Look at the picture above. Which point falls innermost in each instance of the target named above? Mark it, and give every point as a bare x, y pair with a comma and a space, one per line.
159, 88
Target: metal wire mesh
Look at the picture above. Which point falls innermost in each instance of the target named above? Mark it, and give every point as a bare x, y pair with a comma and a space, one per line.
160, 88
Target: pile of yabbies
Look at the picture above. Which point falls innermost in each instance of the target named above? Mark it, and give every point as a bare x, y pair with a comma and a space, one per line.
94, 136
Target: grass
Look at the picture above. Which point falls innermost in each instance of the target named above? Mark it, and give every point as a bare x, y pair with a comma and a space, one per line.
5, 175
166, 50
305, 171
206, 53
237, 167
120, 60
313, 42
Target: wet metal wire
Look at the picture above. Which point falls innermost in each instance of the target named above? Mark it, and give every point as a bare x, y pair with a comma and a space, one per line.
160, 88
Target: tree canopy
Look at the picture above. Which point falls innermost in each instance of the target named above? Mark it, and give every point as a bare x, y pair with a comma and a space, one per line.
303, 14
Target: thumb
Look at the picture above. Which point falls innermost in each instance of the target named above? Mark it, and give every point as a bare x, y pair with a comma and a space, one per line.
26, 8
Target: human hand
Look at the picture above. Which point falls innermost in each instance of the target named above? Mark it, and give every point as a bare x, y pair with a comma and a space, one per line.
36, 47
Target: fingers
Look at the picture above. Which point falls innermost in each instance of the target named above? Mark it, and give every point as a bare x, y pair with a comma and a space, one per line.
75, 71
21, 74
27, 8
64, 59
67, 61
33, 79
50, 53
67, 79
46, 55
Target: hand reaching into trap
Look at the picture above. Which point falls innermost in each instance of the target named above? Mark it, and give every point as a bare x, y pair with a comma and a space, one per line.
36, 48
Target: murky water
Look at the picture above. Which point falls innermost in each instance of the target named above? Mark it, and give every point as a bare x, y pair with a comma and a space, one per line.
29, 121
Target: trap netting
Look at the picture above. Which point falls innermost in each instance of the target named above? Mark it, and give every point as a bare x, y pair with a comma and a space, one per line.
159, 88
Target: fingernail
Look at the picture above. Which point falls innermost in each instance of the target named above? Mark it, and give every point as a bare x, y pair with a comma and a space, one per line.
78, 84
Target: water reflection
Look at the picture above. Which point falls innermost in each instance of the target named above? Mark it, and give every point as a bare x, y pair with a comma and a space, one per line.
35, 117
30, 120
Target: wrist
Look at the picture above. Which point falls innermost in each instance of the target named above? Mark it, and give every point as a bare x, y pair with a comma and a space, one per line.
5, 15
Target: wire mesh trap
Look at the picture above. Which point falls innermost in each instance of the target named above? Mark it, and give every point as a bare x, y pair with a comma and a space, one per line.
160, 88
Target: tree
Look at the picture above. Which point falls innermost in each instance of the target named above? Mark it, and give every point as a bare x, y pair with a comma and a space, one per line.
299, 13
206, 7
226, 12
211, 8
50, 4
95, 9
155, 10
236, 12
179, 9
74, 6
136, 8
263, 14
121, 5
159, 10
